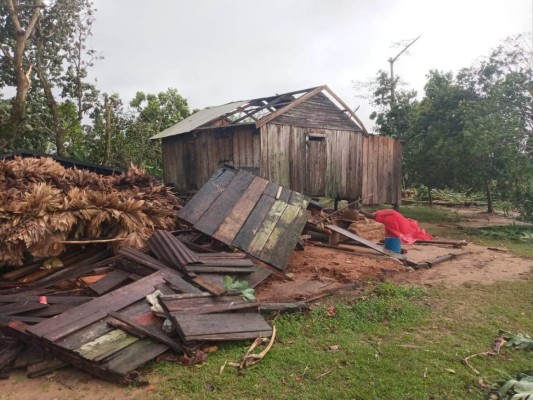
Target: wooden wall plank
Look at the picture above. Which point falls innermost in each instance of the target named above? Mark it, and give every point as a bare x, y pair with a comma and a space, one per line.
233, 222
364, 169
105, 345
264, 170
223, 205
135, 355
194, 209
253, 222
297, 157
265, 229
316, 164
277, 242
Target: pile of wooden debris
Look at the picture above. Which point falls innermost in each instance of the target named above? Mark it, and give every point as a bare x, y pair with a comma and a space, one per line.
106, 314
43, 206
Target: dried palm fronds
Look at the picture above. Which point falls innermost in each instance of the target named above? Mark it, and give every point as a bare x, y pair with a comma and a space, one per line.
43, 204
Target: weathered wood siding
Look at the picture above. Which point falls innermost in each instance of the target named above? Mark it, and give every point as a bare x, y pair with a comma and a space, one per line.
318, 162
190, 159
345, 164
317, 112
382, 170
297, 157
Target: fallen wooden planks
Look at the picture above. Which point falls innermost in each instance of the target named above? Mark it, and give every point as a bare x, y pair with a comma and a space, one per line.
57, 327
365, 242
220, 327
258, 217
111, 335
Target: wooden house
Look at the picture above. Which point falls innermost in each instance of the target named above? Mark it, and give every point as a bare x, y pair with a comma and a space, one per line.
308, 140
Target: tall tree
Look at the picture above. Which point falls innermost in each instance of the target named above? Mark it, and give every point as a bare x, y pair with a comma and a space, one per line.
154, 113
60, 35
17, 24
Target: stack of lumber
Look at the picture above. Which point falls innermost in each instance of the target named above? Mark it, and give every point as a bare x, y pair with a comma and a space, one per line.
43, 205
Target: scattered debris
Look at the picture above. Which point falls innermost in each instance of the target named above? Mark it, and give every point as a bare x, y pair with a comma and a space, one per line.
517, 341
520, 388
434, 261
163, 295
249, 358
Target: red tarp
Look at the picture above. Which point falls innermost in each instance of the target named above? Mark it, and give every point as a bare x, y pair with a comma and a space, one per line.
396, 225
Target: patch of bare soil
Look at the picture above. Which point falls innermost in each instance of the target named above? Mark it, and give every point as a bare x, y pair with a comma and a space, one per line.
475, 264
65, 384
316, 270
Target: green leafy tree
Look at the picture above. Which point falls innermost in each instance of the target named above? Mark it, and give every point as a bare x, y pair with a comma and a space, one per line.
120, 136
392, 116
154, 113
498, 122
56, 52
18, 20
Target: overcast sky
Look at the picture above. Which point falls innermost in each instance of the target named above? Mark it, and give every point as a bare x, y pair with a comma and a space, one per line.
217, 51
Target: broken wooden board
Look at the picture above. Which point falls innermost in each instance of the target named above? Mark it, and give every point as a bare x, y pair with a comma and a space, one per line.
78, 317
219, 327
207, 305
241, 210
365, 242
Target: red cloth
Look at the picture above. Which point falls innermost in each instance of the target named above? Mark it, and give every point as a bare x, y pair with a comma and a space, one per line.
396, 225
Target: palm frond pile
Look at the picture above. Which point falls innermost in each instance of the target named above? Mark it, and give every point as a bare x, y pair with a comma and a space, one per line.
43, 204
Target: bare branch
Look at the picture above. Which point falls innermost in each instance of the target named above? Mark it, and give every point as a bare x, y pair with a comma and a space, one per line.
34, 18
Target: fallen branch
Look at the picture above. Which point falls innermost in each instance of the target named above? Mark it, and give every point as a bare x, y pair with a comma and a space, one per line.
94, 241
250, 359
323, 374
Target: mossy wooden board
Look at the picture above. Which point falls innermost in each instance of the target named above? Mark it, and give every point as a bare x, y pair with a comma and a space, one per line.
244, 211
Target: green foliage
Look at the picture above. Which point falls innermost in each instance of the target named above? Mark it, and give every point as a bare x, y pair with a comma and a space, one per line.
516, 233
392, 119
522, 200
231, 285
470, 132
422, 194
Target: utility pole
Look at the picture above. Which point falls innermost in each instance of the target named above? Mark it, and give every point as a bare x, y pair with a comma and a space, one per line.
392, 60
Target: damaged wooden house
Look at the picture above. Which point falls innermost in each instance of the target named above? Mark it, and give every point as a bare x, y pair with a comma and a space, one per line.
308, 140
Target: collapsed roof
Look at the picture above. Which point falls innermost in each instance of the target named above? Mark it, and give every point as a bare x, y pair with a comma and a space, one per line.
257, 111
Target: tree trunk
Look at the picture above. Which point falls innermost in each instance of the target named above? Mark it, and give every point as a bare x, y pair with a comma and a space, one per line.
40, 67
430, 197
107, 130
490, 205
79, 88
51, 102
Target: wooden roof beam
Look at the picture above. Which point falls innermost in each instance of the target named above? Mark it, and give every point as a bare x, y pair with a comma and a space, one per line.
293, 104
348, 109
256, 110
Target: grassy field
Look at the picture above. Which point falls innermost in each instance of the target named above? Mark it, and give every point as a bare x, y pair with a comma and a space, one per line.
389, 342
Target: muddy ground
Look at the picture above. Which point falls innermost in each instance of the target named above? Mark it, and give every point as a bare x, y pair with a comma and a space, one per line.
313, 272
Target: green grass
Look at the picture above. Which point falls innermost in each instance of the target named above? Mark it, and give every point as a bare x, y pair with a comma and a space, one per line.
435, 215
394, 342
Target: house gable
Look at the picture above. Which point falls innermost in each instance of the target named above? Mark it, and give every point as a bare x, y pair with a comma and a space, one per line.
317, 112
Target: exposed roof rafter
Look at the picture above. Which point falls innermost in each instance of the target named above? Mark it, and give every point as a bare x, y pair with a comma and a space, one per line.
260, 111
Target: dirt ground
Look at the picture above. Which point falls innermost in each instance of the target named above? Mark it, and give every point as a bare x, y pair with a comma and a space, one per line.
312, 271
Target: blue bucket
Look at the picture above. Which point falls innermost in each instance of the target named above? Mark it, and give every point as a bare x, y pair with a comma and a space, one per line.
393, 244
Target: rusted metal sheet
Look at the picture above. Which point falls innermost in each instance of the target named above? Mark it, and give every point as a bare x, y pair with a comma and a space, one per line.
256, 216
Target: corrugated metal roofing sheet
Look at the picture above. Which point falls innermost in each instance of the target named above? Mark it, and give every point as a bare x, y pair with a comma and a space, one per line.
198, 119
